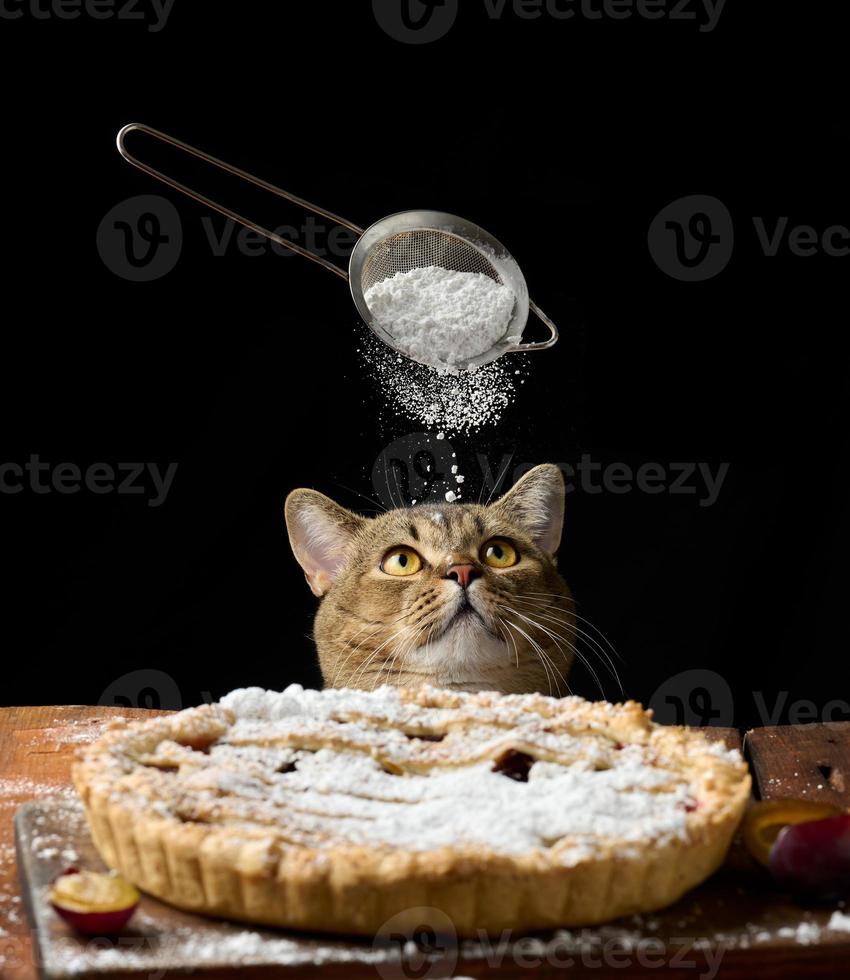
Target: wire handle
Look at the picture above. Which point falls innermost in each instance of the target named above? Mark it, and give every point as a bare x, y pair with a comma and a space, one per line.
542, 344
227, 212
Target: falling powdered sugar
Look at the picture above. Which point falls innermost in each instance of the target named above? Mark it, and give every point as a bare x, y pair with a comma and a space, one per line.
452, 403
441, 317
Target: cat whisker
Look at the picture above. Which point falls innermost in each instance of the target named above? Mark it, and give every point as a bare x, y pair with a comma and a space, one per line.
544, 658
513, 641
395, 475
584, 619
526, 597
401, 651
362, 496
388, 666
370, 659
498, 482
555, 637
596, 647
351, 653
361, 670
378, 627
389, 488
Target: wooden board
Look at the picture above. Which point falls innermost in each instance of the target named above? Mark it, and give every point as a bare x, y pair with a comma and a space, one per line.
802, 761
731, 925
37, 747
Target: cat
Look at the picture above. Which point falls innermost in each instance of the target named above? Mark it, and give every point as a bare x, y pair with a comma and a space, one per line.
460, 596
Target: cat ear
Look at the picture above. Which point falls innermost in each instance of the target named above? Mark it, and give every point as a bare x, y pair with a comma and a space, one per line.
320, 532
536, 503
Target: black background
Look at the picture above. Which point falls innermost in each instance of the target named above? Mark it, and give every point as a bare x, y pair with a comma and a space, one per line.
564, 139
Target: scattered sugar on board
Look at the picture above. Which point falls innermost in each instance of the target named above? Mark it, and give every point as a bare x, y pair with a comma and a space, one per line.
805, 934
452, 403
839, 922
440, 316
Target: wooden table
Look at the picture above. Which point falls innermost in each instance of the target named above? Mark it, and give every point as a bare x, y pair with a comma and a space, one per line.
37, 746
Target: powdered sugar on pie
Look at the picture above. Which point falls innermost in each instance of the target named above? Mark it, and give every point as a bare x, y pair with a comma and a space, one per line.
403, 782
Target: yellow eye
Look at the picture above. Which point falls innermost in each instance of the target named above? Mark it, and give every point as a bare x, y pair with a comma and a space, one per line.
401, 561
499, 553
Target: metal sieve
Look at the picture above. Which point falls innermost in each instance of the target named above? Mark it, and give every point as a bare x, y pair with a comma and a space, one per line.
397, 243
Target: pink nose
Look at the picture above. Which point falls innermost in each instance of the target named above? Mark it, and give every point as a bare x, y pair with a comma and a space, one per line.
462, 574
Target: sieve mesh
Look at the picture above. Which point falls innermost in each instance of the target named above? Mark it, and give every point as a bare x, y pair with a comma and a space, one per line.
420, 247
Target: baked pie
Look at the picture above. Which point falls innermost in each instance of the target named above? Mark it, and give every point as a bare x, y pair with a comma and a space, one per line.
337, 810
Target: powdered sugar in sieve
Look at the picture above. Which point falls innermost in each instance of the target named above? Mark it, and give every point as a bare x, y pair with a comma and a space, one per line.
441, 317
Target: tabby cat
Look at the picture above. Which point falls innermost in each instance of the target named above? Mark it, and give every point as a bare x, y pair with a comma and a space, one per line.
463, 596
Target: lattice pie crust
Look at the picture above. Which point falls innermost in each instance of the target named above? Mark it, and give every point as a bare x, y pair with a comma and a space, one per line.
337, 810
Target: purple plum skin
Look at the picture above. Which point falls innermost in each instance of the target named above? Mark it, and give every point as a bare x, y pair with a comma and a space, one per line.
812, 859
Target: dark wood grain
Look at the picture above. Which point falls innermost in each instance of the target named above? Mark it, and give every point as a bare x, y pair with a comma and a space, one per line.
802, 762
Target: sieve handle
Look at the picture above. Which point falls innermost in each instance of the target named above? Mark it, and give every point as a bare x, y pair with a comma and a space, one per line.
542, 344
236, 172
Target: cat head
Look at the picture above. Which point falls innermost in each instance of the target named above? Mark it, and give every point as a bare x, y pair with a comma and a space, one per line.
464, 596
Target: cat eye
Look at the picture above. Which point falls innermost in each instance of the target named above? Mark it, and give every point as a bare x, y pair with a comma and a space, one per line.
401, 561
499, 553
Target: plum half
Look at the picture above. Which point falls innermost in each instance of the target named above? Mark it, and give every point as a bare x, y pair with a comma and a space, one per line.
812, 859
765, 821
94, 903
